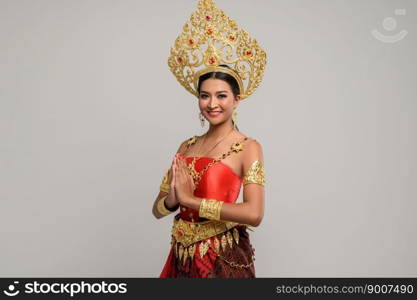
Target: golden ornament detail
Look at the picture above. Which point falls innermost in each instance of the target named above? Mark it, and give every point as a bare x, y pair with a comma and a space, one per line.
217, 244
235, 147
255, 174
205, 237
229, 239
210, 209
162, 208
236, 235
224, 243
234, 119
180, 251
211, 38
164, 186
187, 233
191, 251
202, 119
185, 255
204, 246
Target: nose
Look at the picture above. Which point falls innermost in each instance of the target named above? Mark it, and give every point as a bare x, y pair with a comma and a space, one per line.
212, 103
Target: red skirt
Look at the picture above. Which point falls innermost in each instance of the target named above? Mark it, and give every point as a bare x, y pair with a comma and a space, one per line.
233, 262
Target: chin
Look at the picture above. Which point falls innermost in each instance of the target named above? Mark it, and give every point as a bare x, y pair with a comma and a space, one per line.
216, 122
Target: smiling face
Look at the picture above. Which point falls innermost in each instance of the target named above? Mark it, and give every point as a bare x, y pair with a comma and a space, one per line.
216, 101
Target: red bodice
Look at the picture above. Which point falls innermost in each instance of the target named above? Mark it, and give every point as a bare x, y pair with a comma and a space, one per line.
218, 182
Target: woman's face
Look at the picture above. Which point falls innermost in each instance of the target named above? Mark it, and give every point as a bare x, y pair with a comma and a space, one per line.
216, 100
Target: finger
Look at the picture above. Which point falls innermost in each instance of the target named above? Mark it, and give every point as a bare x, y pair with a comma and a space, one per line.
191, 181
178, 164
183, 173
187, 170
174, 171
182, 164
185, 167
177, 161
179, 171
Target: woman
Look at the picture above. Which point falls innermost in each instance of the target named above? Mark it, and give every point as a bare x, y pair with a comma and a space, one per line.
209, 235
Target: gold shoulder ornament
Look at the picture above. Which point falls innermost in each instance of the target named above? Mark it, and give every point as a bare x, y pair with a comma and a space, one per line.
255, 174
191, 141
210, 38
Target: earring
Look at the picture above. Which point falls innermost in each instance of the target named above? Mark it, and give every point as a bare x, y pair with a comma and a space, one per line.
234, 118
202, 119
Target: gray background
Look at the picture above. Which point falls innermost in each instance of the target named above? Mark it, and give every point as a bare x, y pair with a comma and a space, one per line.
91, 117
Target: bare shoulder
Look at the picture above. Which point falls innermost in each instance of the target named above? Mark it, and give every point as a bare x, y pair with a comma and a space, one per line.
186, 143
253, 150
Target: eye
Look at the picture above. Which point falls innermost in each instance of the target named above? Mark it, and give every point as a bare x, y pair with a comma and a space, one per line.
222, 96
203, 96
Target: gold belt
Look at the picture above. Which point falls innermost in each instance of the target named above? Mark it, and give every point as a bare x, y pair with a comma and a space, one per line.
185, 234
188, 233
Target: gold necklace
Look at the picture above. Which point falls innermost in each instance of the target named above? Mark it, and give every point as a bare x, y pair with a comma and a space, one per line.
197, 175
235, 147
216, 143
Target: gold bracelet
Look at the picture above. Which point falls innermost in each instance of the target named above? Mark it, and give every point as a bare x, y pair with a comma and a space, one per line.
162, 209
210, 209
164, 187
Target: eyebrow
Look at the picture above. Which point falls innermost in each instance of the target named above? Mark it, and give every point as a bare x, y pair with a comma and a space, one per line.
216, 92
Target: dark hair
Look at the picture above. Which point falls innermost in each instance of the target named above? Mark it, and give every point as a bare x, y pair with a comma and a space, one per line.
222, 76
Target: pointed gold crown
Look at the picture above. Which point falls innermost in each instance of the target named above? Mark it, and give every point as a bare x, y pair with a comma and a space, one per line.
210, 39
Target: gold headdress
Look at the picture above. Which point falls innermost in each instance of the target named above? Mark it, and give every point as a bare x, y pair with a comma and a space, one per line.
210, 39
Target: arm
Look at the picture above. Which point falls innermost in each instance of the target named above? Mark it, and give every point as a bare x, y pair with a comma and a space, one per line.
251, 210
170, 203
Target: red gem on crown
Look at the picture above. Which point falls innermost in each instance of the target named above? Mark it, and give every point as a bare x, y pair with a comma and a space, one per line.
212, 60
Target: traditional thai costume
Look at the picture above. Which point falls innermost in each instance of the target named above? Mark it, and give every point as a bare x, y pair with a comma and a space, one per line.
202, 245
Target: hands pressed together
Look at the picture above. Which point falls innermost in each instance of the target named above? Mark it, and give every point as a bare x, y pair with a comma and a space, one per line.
181, 183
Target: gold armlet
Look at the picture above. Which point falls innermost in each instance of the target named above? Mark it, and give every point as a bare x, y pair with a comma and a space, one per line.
210, 209
162, 209
255, 174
